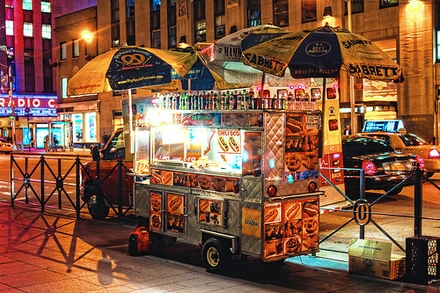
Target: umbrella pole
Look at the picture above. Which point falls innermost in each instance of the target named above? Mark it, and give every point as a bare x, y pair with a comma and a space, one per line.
323, 118
130, 121
263, 78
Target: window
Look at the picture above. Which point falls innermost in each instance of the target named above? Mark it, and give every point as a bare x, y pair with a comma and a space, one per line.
388, 3
63, 51
75, 48
254, 13
27, 4
357, 6
280, 12
47, 78
9, 27
308, 10
129, 4
114, 10
199, 20
46, 31
130, 22
172, 30
45, 7
63, 87
29, 76
155, 39
28, 29
28, 16
438, 46
219, 14
155, 23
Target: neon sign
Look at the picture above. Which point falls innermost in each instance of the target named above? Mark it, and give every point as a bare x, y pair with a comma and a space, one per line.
38, 106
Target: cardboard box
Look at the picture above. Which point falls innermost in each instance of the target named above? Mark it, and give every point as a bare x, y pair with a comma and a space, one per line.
374, 258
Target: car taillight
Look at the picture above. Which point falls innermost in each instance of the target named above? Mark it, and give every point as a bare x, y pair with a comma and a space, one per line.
421, 162
433, 154
369, 167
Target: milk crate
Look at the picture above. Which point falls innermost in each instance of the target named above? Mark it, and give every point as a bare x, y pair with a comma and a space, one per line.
422, 259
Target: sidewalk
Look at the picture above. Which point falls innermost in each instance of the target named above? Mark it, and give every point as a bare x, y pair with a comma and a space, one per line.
53, 252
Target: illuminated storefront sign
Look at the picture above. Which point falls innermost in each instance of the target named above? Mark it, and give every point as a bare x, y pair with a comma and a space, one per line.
39, 106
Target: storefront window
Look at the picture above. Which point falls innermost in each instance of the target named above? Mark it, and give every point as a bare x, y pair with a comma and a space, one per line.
90, 127
77, 121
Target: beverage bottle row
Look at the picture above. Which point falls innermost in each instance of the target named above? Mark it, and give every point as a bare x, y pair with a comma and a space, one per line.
236, 100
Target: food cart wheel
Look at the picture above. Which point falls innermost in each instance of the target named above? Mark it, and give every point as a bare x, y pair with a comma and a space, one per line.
97, 207
215, 256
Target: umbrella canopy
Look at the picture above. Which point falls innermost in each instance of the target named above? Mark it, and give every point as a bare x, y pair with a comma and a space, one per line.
323, 52
224, 57
128, 68
201, 77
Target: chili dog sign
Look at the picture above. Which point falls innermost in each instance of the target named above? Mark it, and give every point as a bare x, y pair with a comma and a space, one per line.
229, 141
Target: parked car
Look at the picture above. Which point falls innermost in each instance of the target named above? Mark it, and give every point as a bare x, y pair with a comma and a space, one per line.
383, 167
405, 142
108, 157
5, 147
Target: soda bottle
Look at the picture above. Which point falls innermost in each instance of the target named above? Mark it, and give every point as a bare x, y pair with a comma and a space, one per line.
290, 101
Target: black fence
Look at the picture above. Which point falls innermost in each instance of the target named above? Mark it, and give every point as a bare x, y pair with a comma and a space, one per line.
62, 181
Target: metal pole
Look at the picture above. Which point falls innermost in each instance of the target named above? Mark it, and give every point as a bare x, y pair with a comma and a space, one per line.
353, 118
12, 105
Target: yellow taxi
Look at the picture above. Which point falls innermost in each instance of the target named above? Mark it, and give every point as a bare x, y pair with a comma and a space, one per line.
400, 140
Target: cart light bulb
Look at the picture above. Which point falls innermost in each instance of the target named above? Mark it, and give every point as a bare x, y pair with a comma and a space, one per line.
272, 191
291, 86
272, 163
259, 88
313, 186
290, 178
245, 156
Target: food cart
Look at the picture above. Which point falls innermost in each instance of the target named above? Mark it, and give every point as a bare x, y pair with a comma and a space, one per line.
231, 172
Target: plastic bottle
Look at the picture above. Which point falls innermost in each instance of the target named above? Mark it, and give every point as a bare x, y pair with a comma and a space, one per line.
230, 100
203, 101
298, 102
282, 102
290, 101
275, 101
313, 102
245, 101
183, 101
189, 101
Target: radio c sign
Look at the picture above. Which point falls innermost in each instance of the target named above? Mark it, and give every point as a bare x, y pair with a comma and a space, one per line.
38, 106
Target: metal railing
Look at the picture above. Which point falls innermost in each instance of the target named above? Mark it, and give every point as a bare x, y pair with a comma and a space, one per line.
363, 213
51, 181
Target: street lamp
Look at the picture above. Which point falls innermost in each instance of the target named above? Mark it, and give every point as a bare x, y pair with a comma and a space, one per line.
11, 104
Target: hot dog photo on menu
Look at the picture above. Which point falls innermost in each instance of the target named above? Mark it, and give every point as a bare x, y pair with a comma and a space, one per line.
229, 141
175, 204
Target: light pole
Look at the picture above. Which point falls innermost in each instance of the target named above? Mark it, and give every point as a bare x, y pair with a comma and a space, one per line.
11, 104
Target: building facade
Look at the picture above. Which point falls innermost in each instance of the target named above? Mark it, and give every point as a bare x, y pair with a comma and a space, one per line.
26, 63
406, 30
